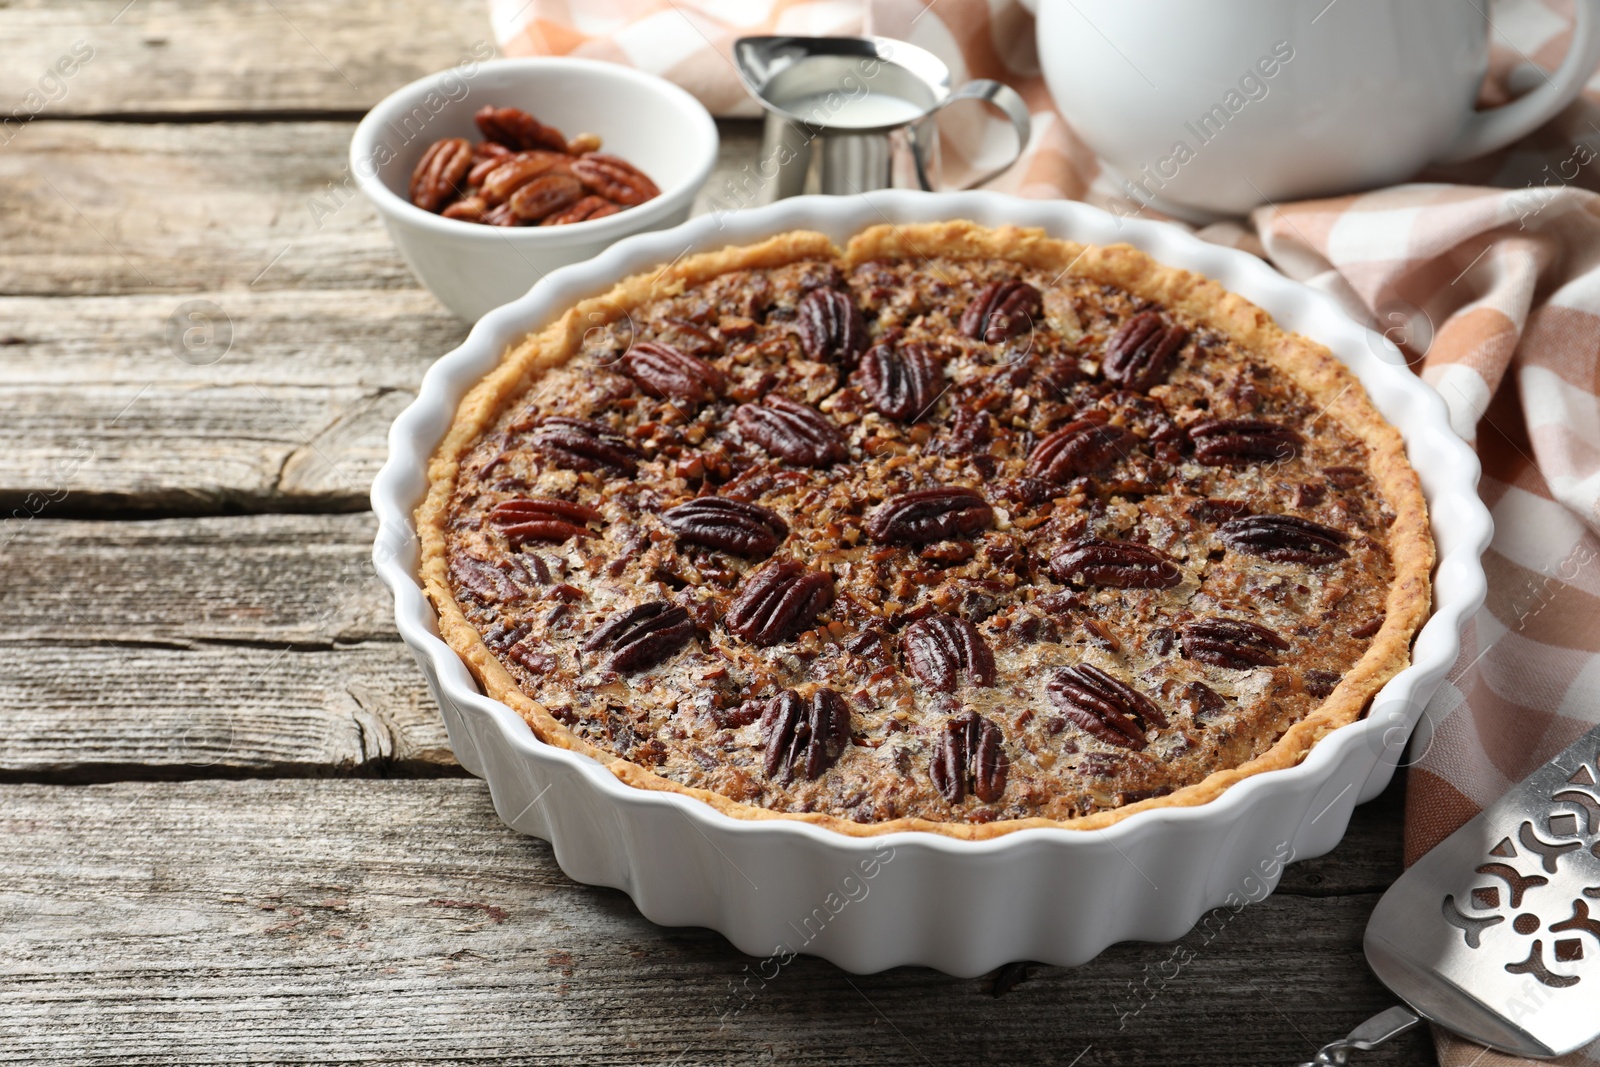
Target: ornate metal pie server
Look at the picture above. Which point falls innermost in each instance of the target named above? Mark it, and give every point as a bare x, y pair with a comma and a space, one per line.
1495, 933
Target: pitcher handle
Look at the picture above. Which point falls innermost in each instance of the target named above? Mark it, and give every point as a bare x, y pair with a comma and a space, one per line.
1009, 101
1487, 130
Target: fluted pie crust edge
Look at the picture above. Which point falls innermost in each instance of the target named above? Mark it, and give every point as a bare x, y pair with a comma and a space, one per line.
1310, 365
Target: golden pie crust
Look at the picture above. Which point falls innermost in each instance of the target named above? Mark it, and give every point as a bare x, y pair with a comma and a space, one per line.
1328, 383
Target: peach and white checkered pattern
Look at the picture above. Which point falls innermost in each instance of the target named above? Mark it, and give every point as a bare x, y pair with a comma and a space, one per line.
1485, 273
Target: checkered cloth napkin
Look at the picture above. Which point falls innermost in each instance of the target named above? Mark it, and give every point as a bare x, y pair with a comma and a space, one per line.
1487, 274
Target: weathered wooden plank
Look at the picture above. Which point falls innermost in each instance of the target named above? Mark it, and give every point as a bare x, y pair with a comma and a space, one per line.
105, 208
197, 450
376, 339
285, 402
305, 580
197, 647
114, 207
390, 922
184, 56
111, 705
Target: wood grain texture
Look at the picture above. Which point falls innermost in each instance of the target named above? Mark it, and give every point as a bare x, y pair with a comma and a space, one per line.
86, 711
205, 449
374, 339
400, 922
260, 645
287, 405
302, 580
177, 57
118, 208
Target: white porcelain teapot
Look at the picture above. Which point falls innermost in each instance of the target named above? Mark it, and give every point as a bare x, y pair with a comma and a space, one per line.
1215, 107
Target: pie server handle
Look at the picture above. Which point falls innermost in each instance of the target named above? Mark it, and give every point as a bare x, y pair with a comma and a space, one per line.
1366, 1037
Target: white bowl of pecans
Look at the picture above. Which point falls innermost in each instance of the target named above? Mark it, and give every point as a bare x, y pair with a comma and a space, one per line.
491, 174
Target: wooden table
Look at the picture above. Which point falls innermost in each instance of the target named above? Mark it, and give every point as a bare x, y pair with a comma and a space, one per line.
233, 829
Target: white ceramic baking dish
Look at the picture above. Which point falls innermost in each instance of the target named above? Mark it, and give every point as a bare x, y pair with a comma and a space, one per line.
775, 887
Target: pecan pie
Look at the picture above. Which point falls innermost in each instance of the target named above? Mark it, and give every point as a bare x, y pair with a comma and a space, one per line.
955, 529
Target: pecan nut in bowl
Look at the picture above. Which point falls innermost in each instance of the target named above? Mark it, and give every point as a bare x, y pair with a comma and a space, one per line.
615, 179
441, 174
545, 114
1201, 755
505, 176
531, 166
517, 130
468, 209
590, 207
486, 156
544, 196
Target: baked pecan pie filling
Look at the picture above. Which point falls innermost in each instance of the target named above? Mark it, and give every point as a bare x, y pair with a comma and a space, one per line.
947, 537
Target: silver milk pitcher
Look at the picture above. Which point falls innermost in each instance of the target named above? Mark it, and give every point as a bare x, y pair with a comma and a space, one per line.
850, 114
